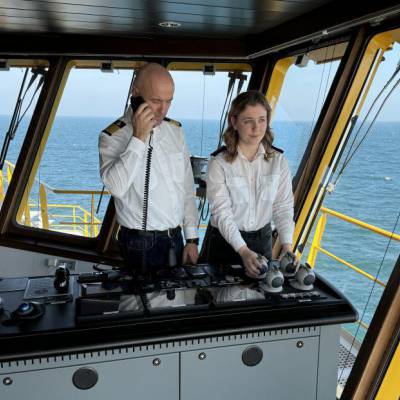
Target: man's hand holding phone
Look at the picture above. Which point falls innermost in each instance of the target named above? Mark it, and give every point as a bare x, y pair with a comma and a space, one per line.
142, 119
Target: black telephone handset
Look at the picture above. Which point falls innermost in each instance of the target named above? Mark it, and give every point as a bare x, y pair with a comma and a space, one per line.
136, 102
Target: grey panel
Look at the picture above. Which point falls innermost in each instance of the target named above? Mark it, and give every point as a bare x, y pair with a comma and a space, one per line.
288, 370
327, 363
119, 351
139, 378
284, 367
20, 263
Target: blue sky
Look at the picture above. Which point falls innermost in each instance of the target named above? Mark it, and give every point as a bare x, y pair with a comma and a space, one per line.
93, 93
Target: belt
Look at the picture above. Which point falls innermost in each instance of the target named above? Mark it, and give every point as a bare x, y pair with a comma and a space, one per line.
260, 232
139, 232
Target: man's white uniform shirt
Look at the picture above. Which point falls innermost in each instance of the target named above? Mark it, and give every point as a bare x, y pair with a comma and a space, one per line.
246, 195
171, 190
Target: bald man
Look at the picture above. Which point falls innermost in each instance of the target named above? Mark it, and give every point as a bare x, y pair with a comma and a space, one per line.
150, 236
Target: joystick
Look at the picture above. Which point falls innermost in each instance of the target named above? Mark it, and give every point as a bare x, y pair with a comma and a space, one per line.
264, 266
305, 277
274, 278
61, 279
287, 264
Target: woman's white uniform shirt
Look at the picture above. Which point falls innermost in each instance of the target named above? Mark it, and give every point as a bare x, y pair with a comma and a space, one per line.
246, 195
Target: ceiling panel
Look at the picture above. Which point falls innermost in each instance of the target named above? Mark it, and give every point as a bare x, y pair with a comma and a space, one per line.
204, 18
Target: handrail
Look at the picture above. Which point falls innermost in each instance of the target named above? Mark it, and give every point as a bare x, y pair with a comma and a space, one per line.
79, 191
362, 224
318, 234
358, 270
319, 231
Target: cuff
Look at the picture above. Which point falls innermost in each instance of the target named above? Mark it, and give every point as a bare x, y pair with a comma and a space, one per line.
136, 145
285, 237
190, 232
195, 241
237, 243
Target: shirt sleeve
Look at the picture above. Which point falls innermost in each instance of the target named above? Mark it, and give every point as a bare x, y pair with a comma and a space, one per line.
282, 208
221, 205
190, 216
119, 160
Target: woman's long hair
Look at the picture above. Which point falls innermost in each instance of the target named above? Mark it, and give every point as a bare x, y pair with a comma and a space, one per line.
231, 136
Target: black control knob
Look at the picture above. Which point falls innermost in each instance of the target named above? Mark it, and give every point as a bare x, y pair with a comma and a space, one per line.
305, 275
171, 294
61, 279
309, 279
85, 378
252, 356
277, 282
287, 265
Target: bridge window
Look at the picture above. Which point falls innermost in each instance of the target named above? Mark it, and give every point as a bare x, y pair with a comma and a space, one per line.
297, 91
65, 192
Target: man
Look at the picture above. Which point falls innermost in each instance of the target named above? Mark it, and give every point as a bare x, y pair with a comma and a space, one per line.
150, 234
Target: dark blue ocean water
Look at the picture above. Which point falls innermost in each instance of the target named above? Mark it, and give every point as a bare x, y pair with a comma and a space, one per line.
369, 189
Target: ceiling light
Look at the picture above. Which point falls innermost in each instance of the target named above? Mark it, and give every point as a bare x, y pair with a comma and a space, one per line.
169, 24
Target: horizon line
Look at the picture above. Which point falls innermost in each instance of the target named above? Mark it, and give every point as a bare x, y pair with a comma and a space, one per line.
180, 118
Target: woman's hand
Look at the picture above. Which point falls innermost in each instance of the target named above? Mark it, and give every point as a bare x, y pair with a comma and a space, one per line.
251, 262
287, 248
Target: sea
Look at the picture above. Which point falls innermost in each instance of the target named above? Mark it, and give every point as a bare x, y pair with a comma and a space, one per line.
368, 190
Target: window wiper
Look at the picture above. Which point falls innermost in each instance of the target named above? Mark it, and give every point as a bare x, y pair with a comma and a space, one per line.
16, 117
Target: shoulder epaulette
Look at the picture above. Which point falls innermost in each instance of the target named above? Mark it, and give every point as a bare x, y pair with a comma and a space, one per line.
219, 150
172, 121
114, 127
277, 149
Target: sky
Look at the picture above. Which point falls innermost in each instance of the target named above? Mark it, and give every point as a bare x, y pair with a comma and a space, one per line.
94, 93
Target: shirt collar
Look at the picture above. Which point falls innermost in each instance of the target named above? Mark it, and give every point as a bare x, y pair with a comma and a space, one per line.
260, 152
128, 113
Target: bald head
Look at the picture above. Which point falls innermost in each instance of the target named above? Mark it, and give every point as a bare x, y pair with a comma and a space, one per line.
155, 84
152, 72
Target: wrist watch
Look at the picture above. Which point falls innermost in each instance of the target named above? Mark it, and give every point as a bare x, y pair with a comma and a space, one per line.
194, 241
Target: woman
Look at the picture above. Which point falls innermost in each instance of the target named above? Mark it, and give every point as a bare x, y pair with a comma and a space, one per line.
248, 185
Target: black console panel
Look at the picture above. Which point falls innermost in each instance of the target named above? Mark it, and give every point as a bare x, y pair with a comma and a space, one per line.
104, 307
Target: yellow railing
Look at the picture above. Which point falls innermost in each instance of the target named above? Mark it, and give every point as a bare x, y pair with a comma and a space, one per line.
78, 220
25, 200
81, 221
318, 235
9, 172
75, 219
